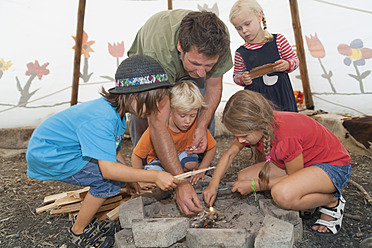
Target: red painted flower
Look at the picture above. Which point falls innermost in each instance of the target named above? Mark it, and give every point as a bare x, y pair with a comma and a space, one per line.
35, 68
116, 50
315, 46
85, 46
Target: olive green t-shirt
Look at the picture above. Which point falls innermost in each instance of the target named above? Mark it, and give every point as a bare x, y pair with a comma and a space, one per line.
158, 39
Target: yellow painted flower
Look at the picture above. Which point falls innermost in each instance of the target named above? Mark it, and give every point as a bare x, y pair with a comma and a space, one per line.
5, 65
85, 47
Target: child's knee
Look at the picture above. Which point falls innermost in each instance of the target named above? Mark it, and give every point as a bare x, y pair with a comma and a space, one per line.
281, 197
189, 166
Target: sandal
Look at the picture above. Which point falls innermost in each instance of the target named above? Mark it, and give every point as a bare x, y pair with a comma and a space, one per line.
337, 213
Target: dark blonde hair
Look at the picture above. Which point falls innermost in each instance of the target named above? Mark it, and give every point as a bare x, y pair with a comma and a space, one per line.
248, 111
123, 102
253, 7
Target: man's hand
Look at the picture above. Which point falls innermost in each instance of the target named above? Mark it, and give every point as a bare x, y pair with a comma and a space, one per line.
187, 200
199, 143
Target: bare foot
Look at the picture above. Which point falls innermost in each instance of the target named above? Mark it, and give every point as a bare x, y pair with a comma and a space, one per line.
325, 217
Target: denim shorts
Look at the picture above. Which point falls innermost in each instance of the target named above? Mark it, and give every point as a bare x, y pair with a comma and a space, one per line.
91, 176
182, 156
339, 175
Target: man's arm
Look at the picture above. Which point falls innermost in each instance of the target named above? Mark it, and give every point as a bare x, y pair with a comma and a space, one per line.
212, 97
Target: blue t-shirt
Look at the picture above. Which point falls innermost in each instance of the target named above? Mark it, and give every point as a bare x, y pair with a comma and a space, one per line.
63, 144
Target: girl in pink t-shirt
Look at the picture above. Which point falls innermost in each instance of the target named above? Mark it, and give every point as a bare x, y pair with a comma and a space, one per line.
306, 166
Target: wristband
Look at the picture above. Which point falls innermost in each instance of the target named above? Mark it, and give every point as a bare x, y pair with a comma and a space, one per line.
254, 190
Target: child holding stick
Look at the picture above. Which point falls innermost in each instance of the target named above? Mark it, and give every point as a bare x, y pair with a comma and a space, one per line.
306, 165
81, 146
185, 102
261, 48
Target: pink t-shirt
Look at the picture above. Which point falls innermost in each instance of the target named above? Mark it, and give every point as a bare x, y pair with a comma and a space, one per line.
296, 133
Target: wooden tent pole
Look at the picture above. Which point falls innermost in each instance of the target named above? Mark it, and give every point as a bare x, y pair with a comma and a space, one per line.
170, 4
301, 54
78, 46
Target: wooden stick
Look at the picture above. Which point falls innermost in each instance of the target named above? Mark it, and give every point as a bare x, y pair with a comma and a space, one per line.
192, 173
365, 193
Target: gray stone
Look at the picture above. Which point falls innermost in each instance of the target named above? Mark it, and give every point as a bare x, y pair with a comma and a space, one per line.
124, 239
161, 232
215, 238
366, 243
156, 195
268, 207
275, 233
130, 210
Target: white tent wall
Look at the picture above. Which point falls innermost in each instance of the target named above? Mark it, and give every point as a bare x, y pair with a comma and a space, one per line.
36, 55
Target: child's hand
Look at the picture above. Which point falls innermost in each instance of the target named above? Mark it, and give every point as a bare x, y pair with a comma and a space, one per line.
246, 78
281, 65
165, 180
210, 195
133, 188
147, 186
195, 178
242, 186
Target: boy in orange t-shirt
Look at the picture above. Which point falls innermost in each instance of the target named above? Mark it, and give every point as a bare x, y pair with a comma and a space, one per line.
185, 102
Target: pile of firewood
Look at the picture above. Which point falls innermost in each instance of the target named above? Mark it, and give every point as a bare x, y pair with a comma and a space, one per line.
70, 203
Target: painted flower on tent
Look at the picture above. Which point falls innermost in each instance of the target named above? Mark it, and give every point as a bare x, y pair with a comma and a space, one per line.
85, 46
315, 46
116, 50
4, 66
355, 52
35, 68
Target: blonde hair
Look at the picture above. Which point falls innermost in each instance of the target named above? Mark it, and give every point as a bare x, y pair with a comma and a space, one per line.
185, 96
253, 7
248, 111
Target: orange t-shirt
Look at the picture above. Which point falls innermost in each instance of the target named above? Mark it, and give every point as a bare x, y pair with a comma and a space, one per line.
145, 148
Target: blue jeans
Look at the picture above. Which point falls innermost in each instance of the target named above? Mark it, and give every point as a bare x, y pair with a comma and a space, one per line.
339, 175
182, 156
91, 176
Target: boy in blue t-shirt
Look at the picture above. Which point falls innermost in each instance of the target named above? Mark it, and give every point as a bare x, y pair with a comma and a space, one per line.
81, 146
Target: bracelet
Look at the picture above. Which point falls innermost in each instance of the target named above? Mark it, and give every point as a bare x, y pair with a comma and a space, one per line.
254, 190
259, 184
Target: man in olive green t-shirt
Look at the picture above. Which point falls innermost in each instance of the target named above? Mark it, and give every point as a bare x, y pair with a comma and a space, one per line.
188, 44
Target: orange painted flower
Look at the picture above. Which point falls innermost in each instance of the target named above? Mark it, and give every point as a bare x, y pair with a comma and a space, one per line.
315, 46
35, 68
116, 50
85, 47
4, 65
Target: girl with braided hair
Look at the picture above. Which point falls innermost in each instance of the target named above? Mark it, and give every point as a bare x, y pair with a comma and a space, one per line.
305, 166
261, 48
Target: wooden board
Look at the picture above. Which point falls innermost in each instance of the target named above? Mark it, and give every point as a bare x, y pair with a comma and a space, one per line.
261, 70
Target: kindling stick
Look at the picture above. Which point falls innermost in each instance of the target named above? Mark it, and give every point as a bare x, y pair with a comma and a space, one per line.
192, 173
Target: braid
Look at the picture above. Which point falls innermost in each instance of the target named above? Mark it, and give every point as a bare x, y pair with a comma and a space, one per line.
264, 173
267, 35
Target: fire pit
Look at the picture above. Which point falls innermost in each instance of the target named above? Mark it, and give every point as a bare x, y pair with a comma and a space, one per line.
233, 219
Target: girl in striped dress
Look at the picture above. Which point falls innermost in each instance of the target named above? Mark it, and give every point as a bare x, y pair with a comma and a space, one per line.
260, 48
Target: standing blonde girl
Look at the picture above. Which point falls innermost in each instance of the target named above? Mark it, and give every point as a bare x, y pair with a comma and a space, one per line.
260, 48
306, 165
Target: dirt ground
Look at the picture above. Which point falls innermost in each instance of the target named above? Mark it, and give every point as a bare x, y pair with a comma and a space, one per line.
20, 226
